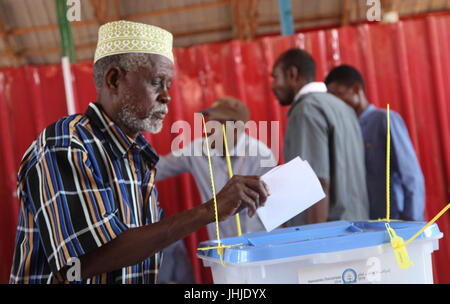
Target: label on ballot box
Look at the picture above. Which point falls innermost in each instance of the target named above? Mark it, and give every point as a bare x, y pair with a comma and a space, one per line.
364, 271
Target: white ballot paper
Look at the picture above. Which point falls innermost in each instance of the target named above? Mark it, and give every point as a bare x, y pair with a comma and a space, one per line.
294, 187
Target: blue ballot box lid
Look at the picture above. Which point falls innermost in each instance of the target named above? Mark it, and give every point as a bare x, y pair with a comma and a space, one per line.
313, 239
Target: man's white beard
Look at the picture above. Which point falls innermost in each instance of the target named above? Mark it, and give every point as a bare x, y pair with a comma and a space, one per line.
149, 124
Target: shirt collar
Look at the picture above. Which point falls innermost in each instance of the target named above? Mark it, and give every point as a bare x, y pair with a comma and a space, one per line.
367, 111
116, 138
312, 87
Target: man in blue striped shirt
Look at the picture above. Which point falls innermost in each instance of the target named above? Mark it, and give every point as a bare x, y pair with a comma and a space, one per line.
407, 181
88, 207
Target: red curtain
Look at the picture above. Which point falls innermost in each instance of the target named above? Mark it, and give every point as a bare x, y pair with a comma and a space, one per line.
404, 64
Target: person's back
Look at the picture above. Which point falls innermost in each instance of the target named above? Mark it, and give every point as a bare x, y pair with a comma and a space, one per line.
406, 179
407, 186
324, 131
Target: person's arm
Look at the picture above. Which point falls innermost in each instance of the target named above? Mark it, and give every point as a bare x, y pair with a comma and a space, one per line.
265, 160
406, 165
137, 244
318, 212
147, 240
171, 165
174, 164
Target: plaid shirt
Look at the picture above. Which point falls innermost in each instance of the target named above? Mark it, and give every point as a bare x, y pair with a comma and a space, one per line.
81, 184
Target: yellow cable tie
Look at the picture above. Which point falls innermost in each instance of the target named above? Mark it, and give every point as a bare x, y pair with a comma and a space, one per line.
212, 183
397, 243
427, 225
220, 251
221, 246
230, 173
388, 163
384, 220
401, 254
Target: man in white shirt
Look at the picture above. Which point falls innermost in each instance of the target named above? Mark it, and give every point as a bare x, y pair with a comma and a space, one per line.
243, 162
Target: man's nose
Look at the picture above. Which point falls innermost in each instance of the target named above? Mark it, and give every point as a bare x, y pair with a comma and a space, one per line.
164, 97
272, 86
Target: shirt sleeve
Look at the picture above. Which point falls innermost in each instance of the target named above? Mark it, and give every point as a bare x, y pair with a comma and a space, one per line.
309, 139
172, 165
266, 159
406, 166
73, 208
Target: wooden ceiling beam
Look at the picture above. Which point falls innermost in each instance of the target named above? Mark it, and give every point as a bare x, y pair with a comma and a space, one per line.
101, 10
98, 12
33, 29
387, 4
117, 13
75, 24
51, 50
179, 9
345, 19
225, 28
303, 20
236, 19
251, 18
357, 7
6, 35
244, 18
391, 5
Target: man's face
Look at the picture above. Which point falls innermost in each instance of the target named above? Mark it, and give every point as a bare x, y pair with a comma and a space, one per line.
280, 86
144, 96
346, 93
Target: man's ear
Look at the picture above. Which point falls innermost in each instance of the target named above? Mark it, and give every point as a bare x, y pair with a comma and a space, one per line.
292, 74
112, 77
356, 88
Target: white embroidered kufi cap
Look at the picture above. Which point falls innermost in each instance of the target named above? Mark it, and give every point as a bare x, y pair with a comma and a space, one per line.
120, 37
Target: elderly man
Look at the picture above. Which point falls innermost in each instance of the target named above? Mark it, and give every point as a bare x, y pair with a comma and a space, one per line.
241, 147
324, 131
88, 207
407, 181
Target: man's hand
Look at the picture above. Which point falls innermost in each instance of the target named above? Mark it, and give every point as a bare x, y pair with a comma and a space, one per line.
240, 191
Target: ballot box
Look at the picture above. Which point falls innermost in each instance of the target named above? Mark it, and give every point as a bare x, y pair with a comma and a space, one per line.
332, 253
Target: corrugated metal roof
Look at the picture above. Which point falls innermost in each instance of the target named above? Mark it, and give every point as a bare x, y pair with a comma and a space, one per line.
34, 36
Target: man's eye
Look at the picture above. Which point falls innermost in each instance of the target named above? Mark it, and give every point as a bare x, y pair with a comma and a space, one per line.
156, 82
160, 83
